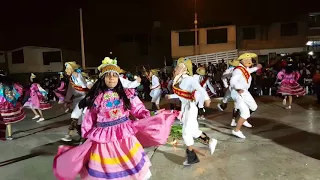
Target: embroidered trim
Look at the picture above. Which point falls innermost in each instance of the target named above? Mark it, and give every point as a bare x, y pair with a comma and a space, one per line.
112, 123
245, 72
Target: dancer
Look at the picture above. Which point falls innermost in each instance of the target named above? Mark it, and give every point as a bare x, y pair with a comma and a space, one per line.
112, 150
37, 100
205, 83
240, 83
289, 83
10, 109
155, 88
60, 92
226, 76
76, 91
184, 87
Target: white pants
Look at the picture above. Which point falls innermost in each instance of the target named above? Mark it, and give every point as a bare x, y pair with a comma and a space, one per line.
77, 112
227, 96
156, 95
190, 128
244, 102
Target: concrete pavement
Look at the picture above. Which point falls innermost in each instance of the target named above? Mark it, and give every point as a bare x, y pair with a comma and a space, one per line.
284, 144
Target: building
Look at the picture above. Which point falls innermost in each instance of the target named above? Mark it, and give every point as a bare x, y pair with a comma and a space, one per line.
284, 37
3, 62
210, 40
35, 59
313, 36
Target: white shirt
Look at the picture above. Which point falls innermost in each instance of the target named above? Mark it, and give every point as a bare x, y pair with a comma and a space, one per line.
188, 83
155, 83
129, 84
238, 81
199, 79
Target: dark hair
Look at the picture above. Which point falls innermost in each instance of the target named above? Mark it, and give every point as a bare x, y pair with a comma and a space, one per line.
100, 87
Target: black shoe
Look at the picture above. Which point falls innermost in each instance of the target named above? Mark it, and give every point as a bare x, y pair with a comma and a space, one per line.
192, 158
222, 106
204, 140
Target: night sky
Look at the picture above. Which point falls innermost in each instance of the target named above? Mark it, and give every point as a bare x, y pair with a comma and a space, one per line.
56, 24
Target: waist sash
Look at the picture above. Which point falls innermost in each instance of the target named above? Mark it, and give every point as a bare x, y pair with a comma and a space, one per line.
112, 123
184, 94
78, 88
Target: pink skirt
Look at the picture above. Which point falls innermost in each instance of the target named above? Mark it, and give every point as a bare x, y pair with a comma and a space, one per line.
10, 113
124, 159
293, 89
43, 105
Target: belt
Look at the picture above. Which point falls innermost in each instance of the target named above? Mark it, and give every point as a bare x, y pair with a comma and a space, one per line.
112, 123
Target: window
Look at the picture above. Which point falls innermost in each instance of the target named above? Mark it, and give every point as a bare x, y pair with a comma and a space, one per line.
289, 29
17, 57
187, 38
216, 36
49, 57
249, 33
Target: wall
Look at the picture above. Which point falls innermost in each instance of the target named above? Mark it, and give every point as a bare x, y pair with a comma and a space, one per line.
269, 37
3, 61
33, 61
204, 48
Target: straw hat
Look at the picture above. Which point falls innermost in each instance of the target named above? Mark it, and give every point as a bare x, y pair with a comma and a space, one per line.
201, 71
187, 63
109, 65
234, 62
247, 55
32, 76
122, 71
72, 64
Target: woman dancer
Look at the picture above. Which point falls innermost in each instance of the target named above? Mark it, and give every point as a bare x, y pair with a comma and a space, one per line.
155, 89
10, 109
112, 150
60, 92
289, 83
37, 100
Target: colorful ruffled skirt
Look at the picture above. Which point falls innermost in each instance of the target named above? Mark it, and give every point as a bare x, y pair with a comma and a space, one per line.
123, 159
10, 113
43, 105
293, 89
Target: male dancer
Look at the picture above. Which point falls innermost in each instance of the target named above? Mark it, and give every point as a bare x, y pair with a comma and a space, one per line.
155, 88
239, 86
205, 83
184, 87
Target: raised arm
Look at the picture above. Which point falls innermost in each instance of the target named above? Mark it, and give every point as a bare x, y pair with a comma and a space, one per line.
129, 84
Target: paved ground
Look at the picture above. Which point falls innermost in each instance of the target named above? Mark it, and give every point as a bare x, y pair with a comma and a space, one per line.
284, 144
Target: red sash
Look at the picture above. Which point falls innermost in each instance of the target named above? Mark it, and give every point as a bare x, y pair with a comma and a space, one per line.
204, 81
245, 72
78, 88
184, 94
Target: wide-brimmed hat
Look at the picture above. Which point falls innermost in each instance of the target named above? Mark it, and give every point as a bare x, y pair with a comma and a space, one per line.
201, 71
247, 55
234, 62
188, 63
109, 65
32, 76
72, 64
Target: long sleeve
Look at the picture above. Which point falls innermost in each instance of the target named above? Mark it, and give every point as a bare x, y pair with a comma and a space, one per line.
155, 82
297, 75
196, 85
210, 87
19, 89
235, 81
138, 109
280, 75
129, 84
226, 74
61, 88
90, 117
253, 69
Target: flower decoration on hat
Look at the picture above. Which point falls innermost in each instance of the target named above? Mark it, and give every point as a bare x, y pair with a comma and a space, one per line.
109, 65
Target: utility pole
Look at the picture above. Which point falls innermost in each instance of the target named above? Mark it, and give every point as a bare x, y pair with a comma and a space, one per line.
83, 57
195, 28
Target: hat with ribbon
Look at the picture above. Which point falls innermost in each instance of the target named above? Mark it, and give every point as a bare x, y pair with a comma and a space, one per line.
109, 65
188, 64
72, 64
247, 55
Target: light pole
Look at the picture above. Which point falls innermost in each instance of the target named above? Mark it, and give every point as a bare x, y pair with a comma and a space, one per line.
195, 28
83, 57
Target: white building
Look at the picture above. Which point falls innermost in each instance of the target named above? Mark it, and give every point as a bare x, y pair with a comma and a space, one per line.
35, 59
